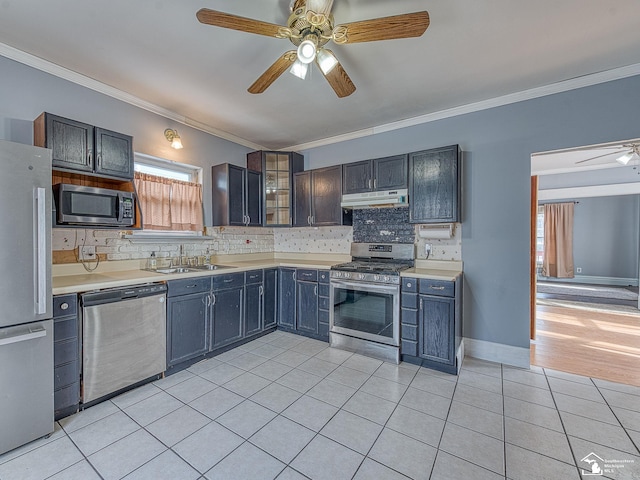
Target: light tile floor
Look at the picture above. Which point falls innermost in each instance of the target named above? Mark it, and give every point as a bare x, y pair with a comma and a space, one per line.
288, 407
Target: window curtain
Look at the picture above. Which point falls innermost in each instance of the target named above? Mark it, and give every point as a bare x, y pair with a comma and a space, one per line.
169, 204
558, 240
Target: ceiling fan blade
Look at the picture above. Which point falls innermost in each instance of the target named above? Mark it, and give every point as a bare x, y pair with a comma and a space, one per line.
234, 22
600, 156
273, 72
407, 25
339, 80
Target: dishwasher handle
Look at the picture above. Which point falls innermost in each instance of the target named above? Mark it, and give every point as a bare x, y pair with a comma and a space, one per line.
123, 293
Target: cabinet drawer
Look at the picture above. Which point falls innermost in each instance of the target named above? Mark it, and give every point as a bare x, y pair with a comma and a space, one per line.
323, 303
408, 347
323, 316
442, 288
229, 280
307, 275
323, 276
66, 397
323, 290
65, 328
65, 351
409, 300
188, 285
409, 332
64, 305
65, 375
254, 276
409, 317
409, 284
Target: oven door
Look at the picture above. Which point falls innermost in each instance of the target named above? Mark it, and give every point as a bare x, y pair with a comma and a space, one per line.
364, 310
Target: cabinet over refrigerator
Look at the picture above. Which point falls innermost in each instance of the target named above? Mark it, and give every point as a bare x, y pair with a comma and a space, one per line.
26, 325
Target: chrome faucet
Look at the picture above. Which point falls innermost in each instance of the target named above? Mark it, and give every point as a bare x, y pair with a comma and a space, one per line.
181, 253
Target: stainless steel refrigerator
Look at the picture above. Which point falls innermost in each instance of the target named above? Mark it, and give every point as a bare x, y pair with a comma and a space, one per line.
26, 325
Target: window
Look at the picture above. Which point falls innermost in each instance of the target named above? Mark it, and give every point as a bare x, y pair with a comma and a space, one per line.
170, 195
540, 236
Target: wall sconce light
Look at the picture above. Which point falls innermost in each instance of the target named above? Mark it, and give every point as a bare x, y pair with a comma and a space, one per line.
173, 137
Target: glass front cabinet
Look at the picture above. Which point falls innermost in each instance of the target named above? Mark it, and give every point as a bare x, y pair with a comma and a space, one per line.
277, 170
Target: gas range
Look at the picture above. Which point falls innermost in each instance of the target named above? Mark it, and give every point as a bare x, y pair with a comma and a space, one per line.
376, 263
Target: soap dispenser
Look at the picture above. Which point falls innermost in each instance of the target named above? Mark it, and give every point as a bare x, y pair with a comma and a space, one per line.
152, 263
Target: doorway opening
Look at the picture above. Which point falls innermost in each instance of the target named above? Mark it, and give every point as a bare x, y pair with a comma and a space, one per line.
584, 316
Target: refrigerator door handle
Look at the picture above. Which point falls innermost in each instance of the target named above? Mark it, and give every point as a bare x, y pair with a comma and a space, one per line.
41, 251
23, 337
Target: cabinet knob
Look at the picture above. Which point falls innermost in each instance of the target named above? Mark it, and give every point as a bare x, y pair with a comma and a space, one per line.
409, 284
64, 306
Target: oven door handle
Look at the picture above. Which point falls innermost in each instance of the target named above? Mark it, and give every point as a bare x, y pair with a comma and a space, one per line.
365, 287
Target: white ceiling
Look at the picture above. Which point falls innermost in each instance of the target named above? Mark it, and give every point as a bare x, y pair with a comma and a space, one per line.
157, 51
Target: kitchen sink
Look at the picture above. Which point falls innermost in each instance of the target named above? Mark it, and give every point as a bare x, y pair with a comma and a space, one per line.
195, 268
209, 267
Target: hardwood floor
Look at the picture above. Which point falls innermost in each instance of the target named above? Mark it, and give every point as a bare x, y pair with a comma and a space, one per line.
588, 339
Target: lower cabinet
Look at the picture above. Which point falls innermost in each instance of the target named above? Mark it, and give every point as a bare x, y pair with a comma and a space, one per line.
254, 303
227, 309
431, 326
270, 298
287, 298
307, 301
323, 305
66, 355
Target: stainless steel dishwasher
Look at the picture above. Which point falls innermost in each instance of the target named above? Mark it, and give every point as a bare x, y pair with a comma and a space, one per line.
124, 339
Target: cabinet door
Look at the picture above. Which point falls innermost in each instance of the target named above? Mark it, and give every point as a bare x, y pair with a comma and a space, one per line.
186, 327
254, 198
307, 307
237, 195
114, 154
270, 298
326, 193
302, 199
434, 190
71, 142
357, 177
390, 173
437, 335
253, 308
287, 297
227, 312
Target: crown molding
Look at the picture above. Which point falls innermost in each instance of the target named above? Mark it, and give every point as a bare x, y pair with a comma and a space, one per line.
95, 85
559, 87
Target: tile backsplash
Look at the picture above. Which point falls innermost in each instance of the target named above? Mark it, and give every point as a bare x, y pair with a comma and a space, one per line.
382, 225
313, 240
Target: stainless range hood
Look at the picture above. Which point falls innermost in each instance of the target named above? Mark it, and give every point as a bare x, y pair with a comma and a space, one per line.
386, 198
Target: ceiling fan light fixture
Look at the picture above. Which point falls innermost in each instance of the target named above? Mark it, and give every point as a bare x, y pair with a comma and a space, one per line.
299, 69
307, 49
326, 60
624, 159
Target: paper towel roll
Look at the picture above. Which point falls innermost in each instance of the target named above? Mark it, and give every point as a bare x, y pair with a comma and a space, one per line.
436, 231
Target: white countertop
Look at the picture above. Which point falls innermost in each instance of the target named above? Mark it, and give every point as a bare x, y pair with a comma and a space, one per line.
73, 278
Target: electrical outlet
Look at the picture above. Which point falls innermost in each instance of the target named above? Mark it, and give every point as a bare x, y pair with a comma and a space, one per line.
427, 249
87, 252
579, 270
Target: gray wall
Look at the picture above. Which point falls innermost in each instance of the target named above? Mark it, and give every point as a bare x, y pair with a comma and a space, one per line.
496, 184
605, 235
26, 92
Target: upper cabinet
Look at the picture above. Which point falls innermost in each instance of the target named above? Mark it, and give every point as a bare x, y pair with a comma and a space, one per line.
434, 185
387, 173
236, 195
81, 148
317, 195
277, 169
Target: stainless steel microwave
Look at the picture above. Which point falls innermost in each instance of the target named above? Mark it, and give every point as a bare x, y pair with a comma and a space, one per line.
92, 206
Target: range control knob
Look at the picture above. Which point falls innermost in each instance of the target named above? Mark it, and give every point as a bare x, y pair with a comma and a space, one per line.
347, 275
361, 276
386, 278
376, 278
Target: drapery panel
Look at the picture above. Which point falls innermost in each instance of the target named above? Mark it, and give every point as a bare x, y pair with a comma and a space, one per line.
558, 240
169, 204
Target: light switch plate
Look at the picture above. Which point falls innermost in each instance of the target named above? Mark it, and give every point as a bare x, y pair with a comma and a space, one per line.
87, 252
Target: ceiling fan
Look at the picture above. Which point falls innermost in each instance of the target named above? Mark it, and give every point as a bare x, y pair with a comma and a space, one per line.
625, 153
310, 27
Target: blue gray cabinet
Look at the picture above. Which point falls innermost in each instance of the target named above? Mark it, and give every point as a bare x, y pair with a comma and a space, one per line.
254, 302
236, 196
270, 298
277, 169
287, 298
66, 355
323, 305
434, 185
187, 319
387, 173
82, 148
227, 309
431, 325
317, 195
307, 301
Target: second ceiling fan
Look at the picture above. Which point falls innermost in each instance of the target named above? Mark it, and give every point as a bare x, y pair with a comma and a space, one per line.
310, 27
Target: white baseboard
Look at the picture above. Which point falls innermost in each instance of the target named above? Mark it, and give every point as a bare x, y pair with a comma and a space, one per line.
595, 280
497, 352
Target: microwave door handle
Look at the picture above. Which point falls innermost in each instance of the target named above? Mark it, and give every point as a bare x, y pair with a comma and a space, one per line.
120, 206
